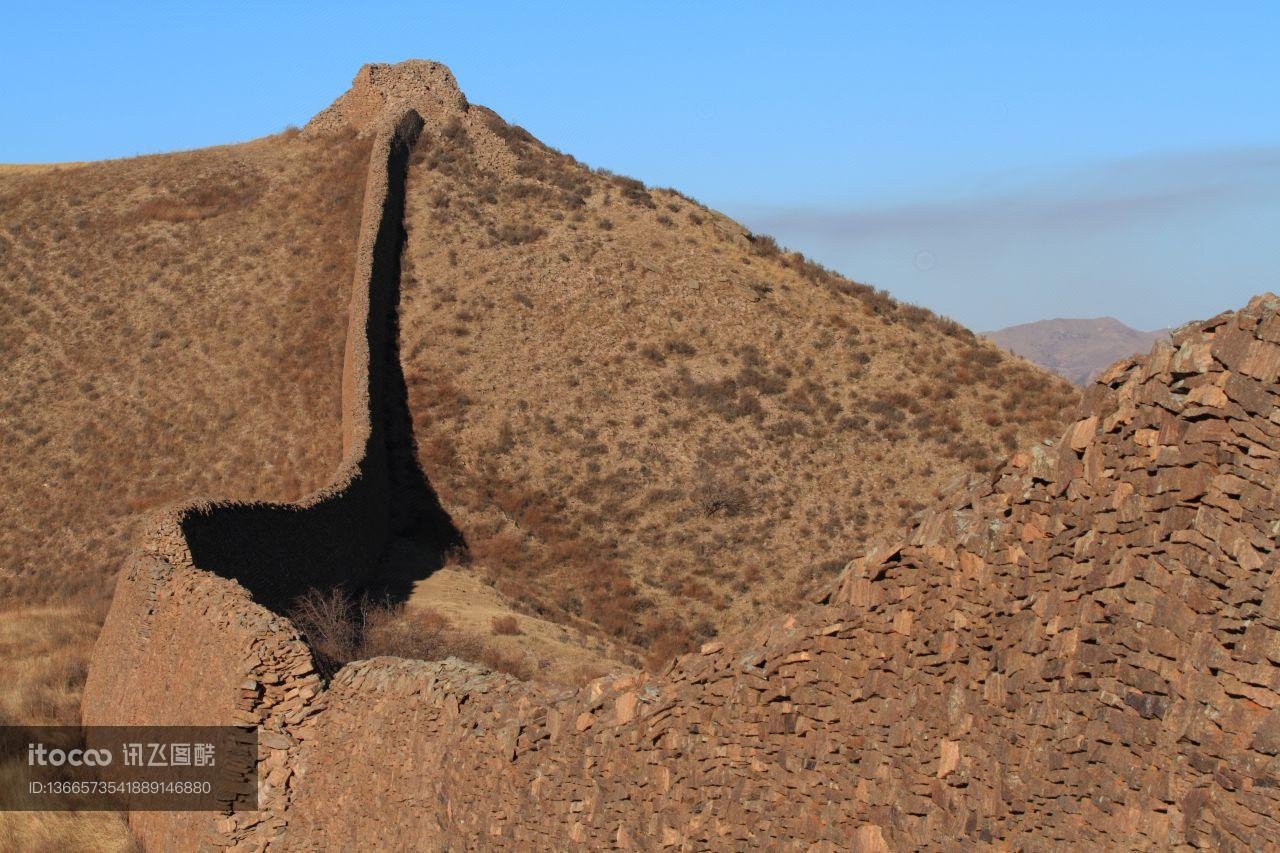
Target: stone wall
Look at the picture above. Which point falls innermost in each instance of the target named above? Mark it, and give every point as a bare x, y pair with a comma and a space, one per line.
193, 635
379, 89
336, 536
1082, 649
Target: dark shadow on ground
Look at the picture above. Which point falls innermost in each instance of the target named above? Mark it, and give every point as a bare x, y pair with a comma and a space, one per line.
422, 534
386, 529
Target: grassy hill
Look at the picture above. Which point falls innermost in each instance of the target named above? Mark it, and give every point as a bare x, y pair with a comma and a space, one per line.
647, 418
173, 327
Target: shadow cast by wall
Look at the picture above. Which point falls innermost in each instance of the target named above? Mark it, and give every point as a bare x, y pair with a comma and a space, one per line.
383, 528
422, 535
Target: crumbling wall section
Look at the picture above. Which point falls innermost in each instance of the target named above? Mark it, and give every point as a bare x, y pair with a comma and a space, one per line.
378, 90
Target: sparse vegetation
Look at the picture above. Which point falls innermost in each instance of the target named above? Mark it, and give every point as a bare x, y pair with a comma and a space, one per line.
689, 404
506, 625
341, 628
651, 425
134, 335
44, 657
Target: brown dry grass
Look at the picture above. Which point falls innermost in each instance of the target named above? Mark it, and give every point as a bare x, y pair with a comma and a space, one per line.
556, 653
341, 628
173, 326
44, 655
649, 421
34, 168
63, 832
507, 626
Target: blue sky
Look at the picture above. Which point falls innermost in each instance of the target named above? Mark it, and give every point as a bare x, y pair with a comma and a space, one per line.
998, 163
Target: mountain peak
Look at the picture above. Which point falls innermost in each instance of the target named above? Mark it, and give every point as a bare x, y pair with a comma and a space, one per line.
1076, 348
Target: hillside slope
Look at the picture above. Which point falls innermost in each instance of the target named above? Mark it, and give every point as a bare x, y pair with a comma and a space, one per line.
172, 327
643, 416
645, 420
1077, 649
1077, 350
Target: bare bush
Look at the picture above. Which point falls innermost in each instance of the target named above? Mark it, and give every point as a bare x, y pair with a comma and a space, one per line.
506, 625
419, 634
340, 629
329, 622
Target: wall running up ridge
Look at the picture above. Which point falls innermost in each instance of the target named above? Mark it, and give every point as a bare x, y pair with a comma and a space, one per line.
1081, 649
193, 635
338, 535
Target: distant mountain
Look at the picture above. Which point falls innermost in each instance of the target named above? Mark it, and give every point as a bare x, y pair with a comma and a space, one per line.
1075, 349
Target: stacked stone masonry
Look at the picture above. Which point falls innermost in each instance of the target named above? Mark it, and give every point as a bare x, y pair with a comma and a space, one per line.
1080, 649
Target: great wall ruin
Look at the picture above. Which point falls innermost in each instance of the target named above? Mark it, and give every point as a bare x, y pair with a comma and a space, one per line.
1082, 648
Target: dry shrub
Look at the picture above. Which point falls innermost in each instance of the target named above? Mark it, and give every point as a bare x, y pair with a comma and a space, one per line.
503, 551
44, 656
665, 647
516, 234
715, 495
203, 201
505, 625
331, 623
500, 661
419, 634
722, 396
340, 629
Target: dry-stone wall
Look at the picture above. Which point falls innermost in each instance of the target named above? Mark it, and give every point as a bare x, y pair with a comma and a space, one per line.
1082, 649
336, 536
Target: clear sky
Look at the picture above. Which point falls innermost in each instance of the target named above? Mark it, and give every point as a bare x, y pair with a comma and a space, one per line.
999, 163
